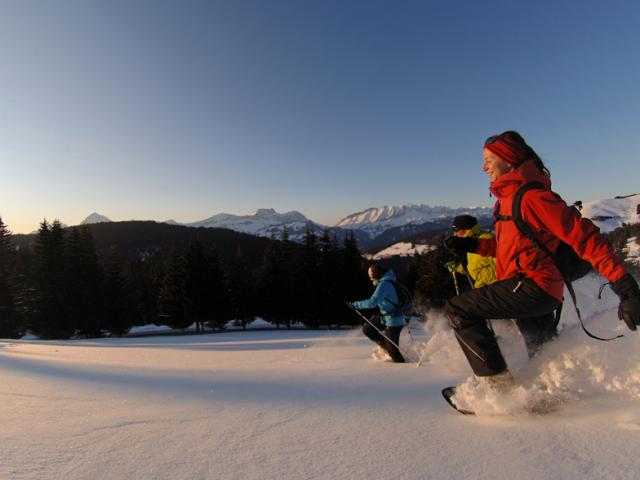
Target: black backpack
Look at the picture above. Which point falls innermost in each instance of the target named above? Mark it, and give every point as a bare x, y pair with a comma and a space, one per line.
571, 266
404, 306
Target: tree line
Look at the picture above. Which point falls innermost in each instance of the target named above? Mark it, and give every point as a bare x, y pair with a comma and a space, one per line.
61, 286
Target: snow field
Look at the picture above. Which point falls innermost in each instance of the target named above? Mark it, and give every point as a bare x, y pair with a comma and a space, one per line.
315, 405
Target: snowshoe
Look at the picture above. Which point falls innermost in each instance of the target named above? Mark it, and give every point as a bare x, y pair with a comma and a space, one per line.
448, 394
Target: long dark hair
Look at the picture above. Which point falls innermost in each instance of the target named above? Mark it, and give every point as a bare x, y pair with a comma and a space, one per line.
516, 137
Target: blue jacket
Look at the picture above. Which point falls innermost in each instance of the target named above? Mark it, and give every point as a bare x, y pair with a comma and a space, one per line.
383, 296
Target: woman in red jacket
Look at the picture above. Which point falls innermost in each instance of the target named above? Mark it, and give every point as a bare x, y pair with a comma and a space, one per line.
529, 286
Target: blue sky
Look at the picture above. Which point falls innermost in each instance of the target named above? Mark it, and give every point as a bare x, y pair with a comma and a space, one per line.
184, 109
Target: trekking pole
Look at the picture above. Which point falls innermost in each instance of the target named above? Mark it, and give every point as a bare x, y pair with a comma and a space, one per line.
471, 282
404, 354
451, 266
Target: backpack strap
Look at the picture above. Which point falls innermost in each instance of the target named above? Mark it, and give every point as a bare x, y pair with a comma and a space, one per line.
399, 305
396, 305
527, 231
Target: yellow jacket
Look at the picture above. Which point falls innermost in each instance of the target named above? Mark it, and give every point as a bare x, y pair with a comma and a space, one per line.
481, 269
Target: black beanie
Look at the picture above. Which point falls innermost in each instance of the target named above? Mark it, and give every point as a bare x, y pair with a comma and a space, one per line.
464, 222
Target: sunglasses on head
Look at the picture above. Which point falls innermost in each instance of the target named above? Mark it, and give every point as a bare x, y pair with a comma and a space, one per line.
492, 139
501, 138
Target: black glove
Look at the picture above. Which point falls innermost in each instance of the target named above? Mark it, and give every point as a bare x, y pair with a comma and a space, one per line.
629, 310
462, 244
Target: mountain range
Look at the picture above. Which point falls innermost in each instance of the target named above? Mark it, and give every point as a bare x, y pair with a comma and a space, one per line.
379, 227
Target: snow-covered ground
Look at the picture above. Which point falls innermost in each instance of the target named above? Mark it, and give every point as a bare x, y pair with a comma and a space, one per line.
315, 405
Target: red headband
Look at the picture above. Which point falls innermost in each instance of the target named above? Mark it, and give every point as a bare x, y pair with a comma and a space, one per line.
512, 152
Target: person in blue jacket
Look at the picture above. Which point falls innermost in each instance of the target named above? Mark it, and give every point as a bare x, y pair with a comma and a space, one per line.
385, 298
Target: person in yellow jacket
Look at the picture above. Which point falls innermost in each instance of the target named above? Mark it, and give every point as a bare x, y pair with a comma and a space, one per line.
481, 270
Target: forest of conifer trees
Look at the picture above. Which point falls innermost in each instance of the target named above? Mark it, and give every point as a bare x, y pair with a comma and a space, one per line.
61, 287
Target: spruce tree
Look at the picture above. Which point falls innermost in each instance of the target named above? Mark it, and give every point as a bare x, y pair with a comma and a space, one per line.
206, 296
49, 315
9, 317
328, 272
270, 283
307, 280
242, 291
172, 295
83, 278
144, 280
218, 296
118, 308
198, 285
287, 293
354, 283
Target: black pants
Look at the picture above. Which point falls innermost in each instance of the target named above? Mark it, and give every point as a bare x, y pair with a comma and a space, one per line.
517, 298
394, 335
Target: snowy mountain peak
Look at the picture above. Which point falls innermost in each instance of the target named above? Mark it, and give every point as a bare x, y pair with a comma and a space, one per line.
378, 219
95, 218
262, 212
263, 222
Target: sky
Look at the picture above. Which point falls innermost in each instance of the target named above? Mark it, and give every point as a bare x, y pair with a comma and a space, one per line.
184, 109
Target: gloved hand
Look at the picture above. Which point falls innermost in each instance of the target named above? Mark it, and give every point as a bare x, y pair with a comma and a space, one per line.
629, 310
462, 244
451, 266
349, 305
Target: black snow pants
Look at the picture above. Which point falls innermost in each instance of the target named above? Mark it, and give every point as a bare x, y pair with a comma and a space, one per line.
393, 334
518, 298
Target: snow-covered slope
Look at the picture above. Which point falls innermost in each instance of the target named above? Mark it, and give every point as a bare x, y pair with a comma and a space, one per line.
263, 222
314, 405
375, 221
609, 214
400, 249
95, 218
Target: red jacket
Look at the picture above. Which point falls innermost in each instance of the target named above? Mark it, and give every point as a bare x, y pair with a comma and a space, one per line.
551, 220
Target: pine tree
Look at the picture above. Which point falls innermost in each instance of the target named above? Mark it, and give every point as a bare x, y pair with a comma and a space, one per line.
206, 296
118, 308
198, 285
84, 279
49, 316
287, 291
9, 315
242, 291
328, 271
270, 283
308, 281
354, 282
172, 298
144, 281
219, 313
